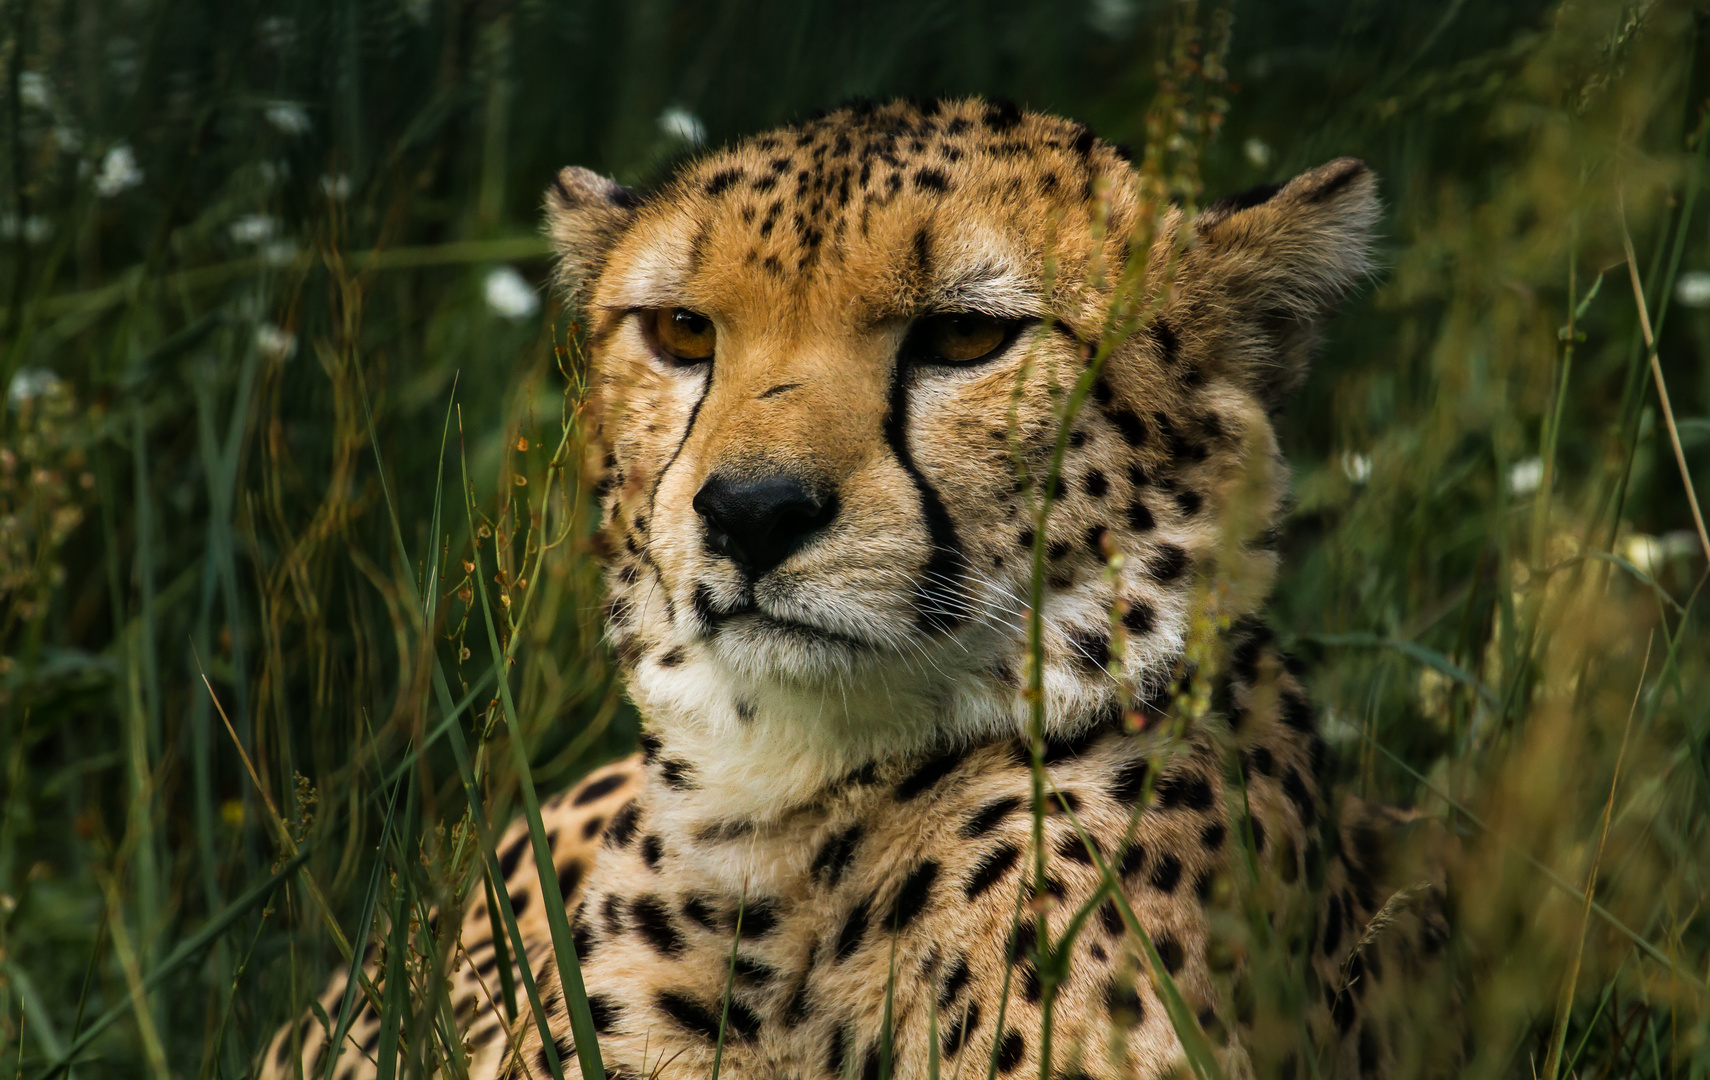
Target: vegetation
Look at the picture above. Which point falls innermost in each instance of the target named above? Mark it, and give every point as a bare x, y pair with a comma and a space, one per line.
294, 509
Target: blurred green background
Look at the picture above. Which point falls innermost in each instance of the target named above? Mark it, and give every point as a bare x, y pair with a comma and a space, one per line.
255, 252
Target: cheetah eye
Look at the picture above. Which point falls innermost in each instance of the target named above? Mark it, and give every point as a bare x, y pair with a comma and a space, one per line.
683, 336
959, 338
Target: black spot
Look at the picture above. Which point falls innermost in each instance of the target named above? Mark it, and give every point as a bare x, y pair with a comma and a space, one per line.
1110, 916
1071, 848
1297, 711
1211, 837
1140, 518
622, 829
954, 982
698, 909
1095, 540
513, 852
1168, 563
1261, 760
676, 775
991, 869
570, 877
1123, 1004
598, 789
605, 1010
799, 1006
1009, 1054
752, 971
912, 897
989, 816
1184, 790
960, 1030
697, 1019
1140, 617
718, 181
1030, 988
1164, 336
1057, 549
1001, 115
1166, 873
744, 711
1189, 502
834, 1054
1343, 1009
928, 774
1024, 540
834, 857
1091, 649
1130, 427
1022, 940
1095, 484
1059, 802
611, 910
650, 745
1258, 833
1169, 951
671, 657
871, 1065
651, 851
1295, 788
591, 828
759, 918
931, 180
1332, 924
854, 928
1077, 438
1129, 781
520, 900
654, 923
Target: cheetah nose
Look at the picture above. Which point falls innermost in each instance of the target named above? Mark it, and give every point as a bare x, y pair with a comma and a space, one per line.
757, 522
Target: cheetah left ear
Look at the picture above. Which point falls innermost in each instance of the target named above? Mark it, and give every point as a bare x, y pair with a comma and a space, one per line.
1264, 271
585, 214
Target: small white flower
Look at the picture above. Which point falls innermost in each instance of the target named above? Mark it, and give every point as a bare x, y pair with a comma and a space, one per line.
30, 383
1258, 152
336, 186
1111, 17
289, 117
33, 89
1692, 288
118, 172
253, 228
1644, 552
1356, 467
69, 138
274, 343
278, 32
279, 252
1525, 476
509, 295
35, 229
682, 124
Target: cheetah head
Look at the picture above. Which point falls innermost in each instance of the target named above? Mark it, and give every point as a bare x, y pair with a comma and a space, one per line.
831, 368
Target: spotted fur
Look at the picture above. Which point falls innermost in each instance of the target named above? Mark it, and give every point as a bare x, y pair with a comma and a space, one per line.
836, 766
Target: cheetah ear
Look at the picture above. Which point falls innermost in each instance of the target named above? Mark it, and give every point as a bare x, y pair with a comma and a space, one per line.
585, 214
1264, 271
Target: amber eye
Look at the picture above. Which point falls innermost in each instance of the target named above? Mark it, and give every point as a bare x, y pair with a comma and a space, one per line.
683, 335
959, 339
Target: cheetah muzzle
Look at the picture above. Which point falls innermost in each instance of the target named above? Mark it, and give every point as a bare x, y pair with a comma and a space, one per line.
830, 370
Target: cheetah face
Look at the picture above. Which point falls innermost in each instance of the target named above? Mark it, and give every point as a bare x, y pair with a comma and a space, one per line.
830, 372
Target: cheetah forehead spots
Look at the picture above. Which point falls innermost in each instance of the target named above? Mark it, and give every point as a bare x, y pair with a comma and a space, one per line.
830, 368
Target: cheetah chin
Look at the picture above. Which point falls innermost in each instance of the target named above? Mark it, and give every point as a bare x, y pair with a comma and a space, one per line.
829, 368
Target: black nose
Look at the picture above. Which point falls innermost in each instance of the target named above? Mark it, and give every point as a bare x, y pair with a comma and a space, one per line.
757, 522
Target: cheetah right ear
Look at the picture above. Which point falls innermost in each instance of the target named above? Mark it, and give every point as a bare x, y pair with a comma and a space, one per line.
585, 214
1266, 269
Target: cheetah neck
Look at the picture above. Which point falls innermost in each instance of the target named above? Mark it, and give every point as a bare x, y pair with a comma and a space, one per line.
726, 749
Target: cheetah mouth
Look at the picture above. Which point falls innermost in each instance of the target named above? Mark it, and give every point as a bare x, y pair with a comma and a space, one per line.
748, 619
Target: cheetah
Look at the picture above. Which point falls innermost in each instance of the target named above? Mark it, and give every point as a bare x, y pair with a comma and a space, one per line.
863, 385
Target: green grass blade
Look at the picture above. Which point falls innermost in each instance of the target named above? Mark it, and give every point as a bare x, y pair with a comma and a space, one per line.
181, 955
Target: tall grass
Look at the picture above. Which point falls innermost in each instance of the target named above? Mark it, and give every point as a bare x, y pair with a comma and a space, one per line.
260, 315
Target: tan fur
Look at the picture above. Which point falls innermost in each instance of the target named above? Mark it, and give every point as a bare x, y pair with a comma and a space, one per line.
837, 744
